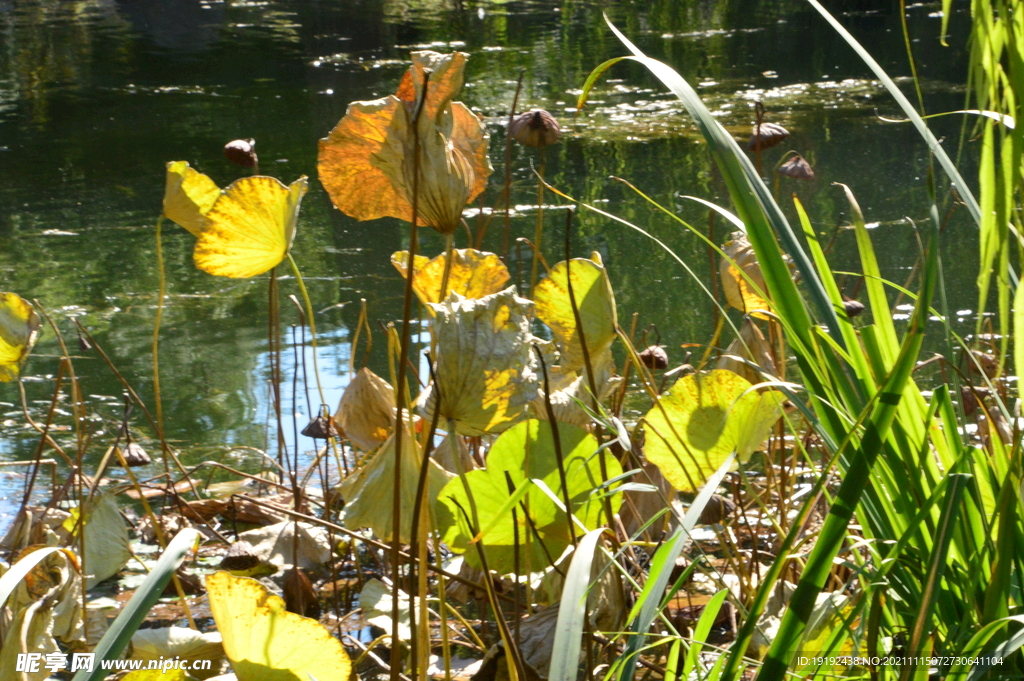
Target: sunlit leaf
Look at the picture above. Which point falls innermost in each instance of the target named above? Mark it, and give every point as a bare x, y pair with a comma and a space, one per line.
188, 196
366, 411
740, 292
250, 228
368, 161
474, 274
19, 328
167, 643
596, 304
702, 420
526, 451
368, 492
485, 370
265, 642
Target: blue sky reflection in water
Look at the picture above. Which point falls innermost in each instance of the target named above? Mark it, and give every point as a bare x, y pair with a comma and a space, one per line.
95, 97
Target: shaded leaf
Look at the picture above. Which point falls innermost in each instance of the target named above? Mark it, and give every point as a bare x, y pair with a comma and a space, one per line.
107, 546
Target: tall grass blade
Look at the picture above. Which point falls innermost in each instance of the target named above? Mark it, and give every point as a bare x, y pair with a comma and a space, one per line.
135, 610
572, 610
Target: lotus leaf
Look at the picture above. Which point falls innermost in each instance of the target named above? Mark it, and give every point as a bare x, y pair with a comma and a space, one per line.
265, 642
188, 196
595, 302
366, 411
742, 292
474, 274
19, 328
368, 160
485, 371
524, 452
752, 346
250, 228
107, 546
570, 389
167, 643
702, 420
276, 545
368, 492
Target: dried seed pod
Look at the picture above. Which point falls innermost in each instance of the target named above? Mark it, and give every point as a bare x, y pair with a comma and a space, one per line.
852, 307
321, 427
766, 136
134, 455
241, 152
983, 363
654, 357
718, 508
796, 167
240, 556
535, 128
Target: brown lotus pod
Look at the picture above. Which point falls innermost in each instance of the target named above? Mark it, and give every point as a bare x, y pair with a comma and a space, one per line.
241, 152
797, 167
654, 357
240, 556
718, 508
852, 307
321, 427
766, 136
134, 455
535, 128
983, 364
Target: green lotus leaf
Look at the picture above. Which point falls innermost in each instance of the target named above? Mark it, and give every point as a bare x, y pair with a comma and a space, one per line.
524, 452
594, 300
702, 420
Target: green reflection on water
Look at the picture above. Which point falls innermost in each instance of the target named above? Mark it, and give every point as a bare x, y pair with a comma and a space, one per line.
96, 96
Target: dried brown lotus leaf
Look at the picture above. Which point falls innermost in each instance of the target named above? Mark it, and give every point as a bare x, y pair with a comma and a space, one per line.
474, 274
595, 302
752, 346
368, 492
742, 292
366, 411
484, 366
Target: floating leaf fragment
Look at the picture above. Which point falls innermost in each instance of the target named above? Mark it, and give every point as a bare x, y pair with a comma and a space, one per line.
702, 420
474, 274
596, 304
19, 329
265, 642
250, 228
484, 367
188, 196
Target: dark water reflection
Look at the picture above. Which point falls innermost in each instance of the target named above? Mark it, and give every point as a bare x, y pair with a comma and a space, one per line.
96, 95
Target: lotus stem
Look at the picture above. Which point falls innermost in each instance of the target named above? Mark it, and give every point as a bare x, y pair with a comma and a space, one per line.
161, 292
448, 253
508, 172
538, 232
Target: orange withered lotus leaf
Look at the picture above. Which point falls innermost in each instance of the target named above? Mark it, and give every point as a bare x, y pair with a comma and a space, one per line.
368, 162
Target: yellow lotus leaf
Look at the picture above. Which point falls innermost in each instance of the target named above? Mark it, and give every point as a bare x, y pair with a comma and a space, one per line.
368, 493
265, 642
484, 365
739, 292
595, 302
474, 274
367, 162
19, 329
752, 346
188, 196
702, 420
250, 228
366, 411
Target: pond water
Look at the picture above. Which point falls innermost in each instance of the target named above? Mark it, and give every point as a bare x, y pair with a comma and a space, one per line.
97, 95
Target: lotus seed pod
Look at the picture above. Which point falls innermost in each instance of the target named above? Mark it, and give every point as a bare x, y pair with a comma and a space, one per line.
535, 128
797, 167
852, 307
241, 152
654, 357
766, 135
240, 556
134, 455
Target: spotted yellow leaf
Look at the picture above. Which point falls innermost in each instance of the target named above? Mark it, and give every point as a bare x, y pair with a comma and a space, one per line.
188, 196
742, 279
702, 420
474, 274
19, 328
594, 301
250, 228
265, 642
